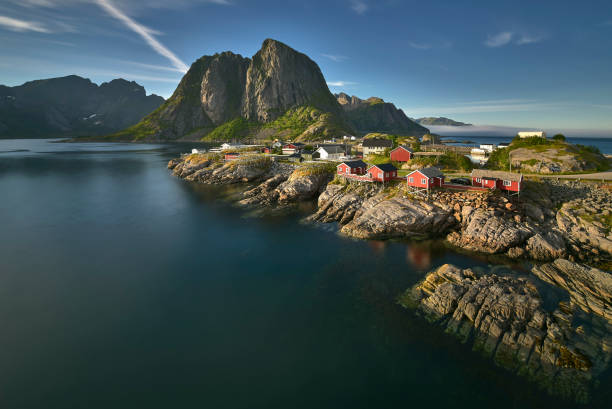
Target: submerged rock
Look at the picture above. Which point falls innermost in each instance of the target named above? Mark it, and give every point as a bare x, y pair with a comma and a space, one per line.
504, 318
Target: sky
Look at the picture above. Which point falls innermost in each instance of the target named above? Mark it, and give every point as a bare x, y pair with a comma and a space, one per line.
508, 64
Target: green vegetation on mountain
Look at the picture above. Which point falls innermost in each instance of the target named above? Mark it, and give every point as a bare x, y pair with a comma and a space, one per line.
236, 128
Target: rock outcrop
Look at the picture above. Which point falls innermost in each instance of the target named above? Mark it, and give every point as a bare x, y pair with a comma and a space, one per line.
504, 318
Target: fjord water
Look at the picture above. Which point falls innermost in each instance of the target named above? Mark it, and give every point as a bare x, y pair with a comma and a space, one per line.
122, 286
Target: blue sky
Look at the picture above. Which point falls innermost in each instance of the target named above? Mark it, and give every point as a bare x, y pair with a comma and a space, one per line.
532, 64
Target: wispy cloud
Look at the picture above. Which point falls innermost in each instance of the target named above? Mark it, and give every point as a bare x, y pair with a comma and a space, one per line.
335, 57
14, 24
143, 32
500, 39
528, 39
340, 83
420, 46
359, 6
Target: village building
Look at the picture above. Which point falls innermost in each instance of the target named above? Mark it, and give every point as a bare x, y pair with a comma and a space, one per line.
353, 167
310, 155
266, 149
291, 148
383, 172
376, 146
295, 157
401, 154
537, 134
277, 144
231, 155
331, 152
488, 147
425, 178
497, 179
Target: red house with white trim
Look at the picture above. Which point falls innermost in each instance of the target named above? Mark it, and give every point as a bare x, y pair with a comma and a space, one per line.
401, 154
497, 179
425, 178
354, 167
231, 155
383, 172
291, 148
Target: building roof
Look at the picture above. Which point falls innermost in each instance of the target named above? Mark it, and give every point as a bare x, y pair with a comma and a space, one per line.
355, 164
307, 152
385, 167
430, 172
377, 143
332, 149
295, 155
496, 174
404, 147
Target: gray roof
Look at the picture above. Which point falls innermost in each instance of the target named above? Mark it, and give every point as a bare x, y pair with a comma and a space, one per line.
332, 149
496, 174
430, 172
385, 167
377, 143
355, 164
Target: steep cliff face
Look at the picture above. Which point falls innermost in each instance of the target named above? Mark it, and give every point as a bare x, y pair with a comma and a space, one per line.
376, 115
280, 78
72, 106
279, 92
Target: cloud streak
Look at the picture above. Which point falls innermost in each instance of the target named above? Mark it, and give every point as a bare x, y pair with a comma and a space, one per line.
340, 83
14, 24
500, 39
359, 6
334, 57
144, 32
419, 46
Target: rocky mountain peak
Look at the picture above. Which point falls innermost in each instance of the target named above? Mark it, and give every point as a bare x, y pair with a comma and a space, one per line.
280, 78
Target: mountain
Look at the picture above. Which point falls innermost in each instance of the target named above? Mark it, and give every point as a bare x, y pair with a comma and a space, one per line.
72, 106
428, 121
376, 115
277, 93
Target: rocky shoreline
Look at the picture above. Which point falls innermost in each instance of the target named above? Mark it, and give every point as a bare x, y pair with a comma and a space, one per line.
562, 348
550, 220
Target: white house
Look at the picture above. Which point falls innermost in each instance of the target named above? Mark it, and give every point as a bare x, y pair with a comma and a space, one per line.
488, 147
331, 152
535, 134
376, 146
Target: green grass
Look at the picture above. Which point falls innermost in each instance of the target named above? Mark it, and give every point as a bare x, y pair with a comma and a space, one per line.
236, 128
319, 168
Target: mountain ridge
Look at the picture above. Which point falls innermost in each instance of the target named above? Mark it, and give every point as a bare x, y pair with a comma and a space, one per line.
72, 106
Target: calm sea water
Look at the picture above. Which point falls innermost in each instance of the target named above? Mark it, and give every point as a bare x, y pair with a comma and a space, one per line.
603, 144
124, 287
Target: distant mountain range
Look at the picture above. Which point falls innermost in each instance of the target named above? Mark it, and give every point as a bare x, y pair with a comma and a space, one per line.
375, 115
278, 93
72, 106
428, 121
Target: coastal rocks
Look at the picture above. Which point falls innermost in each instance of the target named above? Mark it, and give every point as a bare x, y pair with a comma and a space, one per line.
589, 288
585, 223
504, 318
340, 203
398, 217
484, 232
548, 245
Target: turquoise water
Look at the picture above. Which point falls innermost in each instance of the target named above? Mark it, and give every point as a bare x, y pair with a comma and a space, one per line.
124, 287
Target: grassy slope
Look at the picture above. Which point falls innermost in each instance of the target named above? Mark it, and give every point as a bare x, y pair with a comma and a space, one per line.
499, 158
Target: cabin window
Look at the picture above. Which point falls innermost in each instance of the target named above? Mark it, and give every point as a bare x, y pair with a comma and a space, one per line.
386, 174
411, 180
478, 180
507, 183
423, 181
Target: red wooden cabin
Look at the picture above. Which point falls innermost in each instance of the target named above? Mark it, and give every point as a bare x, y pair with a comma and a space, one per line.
383, 172
266, 150
425, 178
401, 154
354, 167
496, 179
231, 155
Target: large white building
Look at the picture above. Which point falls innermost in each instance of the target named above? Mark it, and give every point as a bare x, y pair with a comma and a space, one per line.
331, 152
530, 134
